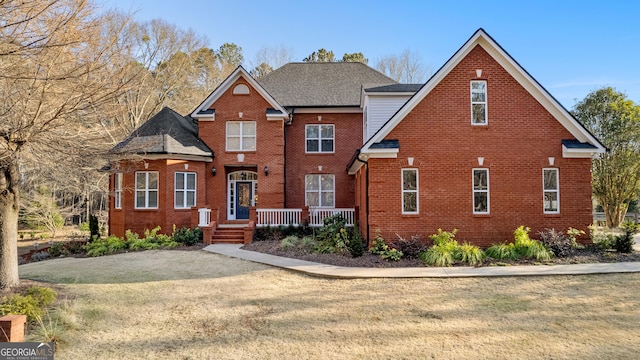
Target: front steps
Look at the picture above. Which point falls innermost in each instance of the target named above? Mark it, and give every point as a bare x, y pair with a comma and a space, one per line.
228, 234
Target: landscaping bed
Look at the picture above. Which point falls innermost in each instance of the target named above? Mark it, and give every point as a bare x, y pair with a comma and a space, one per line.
589, 254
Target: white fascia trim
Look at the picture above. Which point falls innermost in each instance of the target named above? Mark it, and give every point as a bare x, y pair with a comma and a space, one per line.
380, 154
277, 117
226, 84
206, 117
580, 153
138, 157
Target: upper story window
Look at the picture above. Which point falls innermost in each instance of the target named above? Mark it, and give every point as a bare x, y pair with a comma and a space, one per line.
320, 138
319, 190
117, 190
147, 190
185, 190
479, 102
551, 191
409, 191
241, 136
480, 191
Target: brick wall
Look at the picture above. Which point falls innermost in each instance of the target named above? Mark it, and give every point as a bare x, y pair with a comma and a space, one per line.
516, 144
166, 215
348, 138
269, 149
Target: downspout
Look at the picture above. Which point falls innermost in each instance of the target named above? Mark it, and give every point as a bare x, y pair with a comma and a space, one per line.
366, 163
284, 129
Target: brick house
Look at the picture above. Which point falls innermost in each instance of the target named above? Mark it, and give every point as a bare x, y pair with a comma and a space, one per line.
481, 147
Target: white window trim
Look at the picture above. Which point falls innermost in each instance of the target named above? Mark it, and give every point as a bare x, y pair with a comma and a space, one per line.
117, 179
146, 190
416, 191
319, 139
320, 191
488, 191
185, 190
485, 102
557, 191
241, 136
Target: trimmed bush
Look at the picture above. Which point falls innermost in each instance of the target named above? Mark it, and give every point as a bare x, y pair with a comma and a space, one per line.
411, 248
557, 242
624, 243
187, 236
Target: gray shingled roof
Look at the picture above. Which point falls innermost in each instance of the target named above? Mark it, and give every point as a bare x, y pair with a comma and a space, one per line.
395, 88
167, 132
322, 83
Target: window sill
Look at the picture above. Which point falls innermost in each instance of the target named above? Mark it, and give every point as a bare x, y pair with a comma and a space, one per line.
554, 215
145, 209
481, 215
320, 153
182, 209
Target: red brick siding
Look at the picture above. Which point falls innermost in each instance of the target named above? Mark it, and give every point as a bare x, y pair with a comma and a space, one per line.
348, 138
520, 137
137, 220
269, 149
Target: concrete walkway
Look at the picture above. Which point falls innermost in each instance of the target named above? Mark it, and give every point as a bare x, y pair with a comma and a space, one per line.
325, 270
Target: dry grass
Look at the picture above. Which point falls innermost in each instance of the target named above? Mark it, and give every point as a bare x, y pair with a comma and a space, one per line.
196, 305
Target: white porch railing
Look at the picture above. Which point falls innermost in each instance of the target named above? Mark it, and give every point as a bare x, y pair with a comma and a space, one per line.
204, 217
317, 215
286, 217
278, 217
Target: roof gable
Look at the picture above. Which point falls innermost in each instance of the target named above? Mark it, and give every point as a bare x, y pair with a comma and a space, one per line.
322, 84
203, 109
481, 38
167, 132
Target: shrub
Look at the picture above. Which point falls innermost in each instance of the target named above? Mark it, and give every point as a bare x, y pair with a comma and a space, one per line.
502, 251
529, 248
601, 239
438, 255
444, 249
557, 242
391, 255
57, 249
411, 248
624, 243
381, 248
20, 305
94, 227
379, 244
356, 244
290, 241
43, 296
470, 254
187, 236
30, 304
332, 236
100, 247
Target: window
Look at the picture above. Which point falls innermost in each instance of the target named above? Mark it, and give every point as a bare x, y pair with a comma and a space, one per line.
551, 191
479, 103
118, 190
480, 191
319, 190
409, 191
241, 136
319, 138
185, 188
147, 190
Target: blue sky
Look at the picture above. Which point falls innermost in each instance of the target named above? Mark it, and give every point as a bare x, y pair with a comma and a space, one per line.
570, 47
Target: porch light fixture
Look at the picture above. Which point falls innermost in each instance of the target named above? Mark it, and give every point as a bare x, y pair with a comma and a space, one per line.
266, 171
213, 171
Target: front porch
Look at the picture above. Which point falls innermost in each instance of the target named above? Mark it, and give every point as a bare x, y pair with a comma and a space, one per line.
216, 231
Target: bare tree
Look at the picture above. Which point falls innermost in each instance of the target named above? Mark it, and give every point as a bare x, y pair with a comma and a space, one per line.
405, 68
55, 62
268, 59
